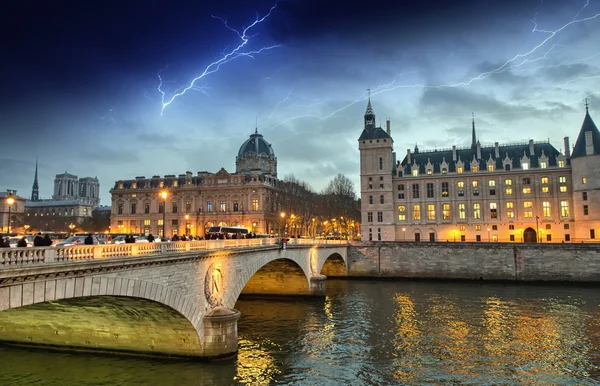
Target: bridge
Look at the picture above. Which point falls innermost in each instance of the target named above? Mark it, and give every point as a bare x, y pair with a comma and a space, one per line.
174, 299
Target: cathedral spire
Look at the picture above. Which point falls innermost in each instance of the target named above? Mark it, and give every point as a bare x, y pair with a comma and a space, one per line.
473, 136
369, 114
35, 190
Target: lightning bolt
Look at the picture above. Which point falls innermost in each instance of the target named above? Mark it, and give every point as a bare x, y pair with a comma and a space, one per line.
227, 56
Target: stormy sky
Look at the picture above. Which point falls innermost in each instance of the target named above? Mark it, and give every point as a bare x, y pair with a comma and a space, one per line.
80, 81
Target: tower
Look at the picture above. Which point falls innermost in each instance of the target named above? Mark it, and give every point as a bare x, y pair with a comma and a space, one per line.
585, 163
473, 136
35, 190
377, 166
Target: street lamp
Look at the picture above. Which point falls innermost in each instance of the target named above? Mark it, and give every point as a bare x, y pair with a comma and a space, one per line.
314, 228
71, 227
537, 228
9, 201
282, 214
404, 234
488, 235
26, 228
164, 195
187, 227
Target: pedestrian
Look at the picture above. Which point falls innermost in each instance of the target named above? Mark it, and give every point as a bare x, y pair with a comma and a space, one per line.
37, 241
22, 242
150, 238
47, 241
89, 240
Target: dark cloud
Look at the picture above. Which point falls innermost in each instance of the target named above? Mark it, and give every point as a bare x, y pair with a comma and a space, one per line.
568, 71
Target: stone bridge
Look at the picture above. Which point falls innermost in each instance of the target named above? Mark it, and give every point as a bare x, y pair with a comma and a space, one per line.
174, 299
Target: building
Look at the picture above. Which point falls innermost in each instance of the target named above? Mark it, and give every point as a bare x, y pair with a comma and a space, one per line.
192, 204
73, 201
523, 192
16, 211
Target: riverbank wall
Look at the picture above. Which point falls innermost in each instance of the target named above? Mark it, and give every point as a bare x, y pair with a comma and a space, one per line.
476, 261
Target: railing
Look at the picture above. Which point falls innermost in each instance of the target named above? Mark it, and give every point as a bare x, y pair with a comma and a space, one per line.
42, 255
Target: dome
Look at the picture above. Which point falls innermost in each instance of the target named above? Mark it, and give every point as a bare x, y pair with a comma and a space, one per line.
256, 144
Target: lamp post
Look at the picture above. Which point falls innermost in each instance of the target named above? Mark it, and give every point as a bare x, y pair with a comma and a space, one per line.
488, 235
314, 229
26, 228
521, 232
537, 228
164, 195
71, 227
9, 201
187, 226
282, 214
403, 234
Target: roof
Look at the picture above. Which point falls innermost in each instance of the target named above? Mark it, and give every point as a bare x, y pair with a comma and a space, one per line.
256, 144
45, 203
588, 126
514, 152
5, 195
373, 133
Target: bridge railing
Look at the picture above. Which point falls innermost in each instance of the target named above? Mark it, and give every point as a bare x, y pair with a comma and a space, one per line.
41, 255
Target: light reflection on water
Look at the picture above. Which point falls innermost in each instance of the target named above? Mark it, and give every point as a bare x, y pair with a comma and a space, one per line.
372, 333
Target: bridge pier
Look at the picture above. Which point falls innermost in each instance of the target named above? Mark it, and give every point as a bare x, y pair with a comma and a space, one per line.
317, 285
220, 332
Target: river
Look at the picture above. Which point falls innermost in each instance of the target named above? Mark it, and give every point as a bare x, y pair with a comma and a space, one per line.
370, 333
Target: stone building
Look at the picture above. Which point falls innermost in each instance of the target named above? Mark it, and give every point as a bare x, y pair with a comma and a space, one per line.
521, 192
194, 203
17, 210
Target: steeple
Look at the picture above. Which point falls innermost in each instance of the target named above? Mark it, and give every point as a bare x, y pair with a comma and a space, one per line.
369, 114
588, 140
473, 136
35, 191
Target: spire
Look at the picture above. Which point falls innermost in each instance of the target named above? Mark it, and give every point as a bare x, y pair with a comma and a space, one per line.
35, 190
586, 105
588, 140
473, 136
369, 114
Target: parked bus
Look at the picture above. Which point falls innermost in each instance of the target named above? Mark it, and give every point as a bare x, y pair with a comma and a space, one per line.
220, 232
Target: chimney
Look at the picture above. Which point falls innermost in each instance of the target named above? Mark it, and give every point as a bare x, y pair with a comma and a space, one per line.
478, 150
496, 150
567, 147
387, 127
454, 153
531, 148
408, 161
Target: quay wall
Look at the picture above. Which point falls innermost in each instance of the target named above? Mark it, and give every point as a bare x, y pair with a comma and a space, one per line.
476, 261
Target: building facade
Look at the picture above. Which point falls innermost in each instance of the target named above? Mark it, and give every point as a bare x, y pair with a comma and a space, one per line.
193, 204
524, 192
16, 212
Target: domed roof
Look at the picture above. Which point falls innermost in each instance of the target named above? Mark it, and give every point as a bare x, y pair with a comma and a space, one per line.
256, 144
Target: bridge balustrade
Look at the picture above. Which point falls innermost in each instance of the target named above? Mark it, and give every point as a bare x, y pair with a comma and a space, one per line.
42, 255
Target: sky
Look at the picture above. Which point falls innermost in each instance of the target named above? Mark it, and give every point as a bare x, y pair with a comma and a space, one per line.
104, 88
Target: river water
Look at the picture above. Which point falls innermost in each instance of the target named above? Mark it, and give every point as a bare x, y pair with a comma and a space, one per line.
371, 333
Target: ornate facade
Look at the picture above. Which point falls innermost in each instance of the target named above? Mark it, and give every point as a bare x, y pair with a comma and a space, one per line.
524, 192
246, 198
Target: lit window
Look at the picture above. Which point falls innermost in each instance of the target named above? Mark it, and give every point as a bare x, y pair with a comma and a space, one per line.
492, 183
545, 189
444, 170
543, 165
429, 171
461, 211
460, 184
490, 168
416, 212
561, 164
477, 228
564, 208
526, 190
431, 212
475, 184
525, 166
508, 191
475, 169
510, 205
462, 228
563, 189
459, 170
493, 210
546, 208
209, 206
401, 212
446, 211
477, 210
562, 179
544, 180
222, 206
583, 180
255, 204
528, 205
507, 182
415, 172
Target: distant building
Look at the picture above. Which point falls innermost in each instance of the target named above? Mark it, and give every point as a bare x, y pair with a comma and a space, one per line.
508, 193
17, 211
244, 198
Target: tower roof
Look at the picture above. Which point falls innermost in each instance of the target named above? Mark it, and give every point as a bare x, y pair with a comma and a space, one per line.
256, 144
588, 126
369, 108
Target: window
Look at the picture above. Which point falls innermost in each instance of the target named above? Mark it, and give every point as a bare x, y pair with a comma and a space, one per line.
567, 237
146, 222
444, 171
548, 226
475, 169
120, 209
235, 206
525, 166
478, 238
381, 186
415, 172
146, 207
494, 227
209, 206
460, 184
401, 212
526, 181
429, 171
133, 208
369, 216
477, 210
461, 211
379, 216
371, 200
380, 163
592, 233
429, 190
370, 186
475, 183
584, 196
475, 188
564, 208
401, 187
85, 211
563, 189
222, 206
544, 180
174, 207
431, 212
561, 164
462, 228
492, 183
400, 196
545, 189
446, 211
493, 210
562, 179
583, 180
463, 238
511, 227
492, 192
507, 182
381, 199
546, 208
512, 237
477, 228
416, 212
526, 190
160, 222
445, 190
548, 237
174, 222
255, 204
370, 178
379, 234
566, 226
508, 191
543, 165
490, 168
528, 205
415, 189
459, 170
585, 210
161, 207
381, 178
188, 206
